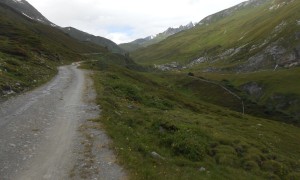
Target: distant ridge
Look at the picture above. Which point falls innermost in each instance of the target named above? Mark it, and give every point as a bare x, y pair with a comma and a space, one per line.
150, 40
30, 12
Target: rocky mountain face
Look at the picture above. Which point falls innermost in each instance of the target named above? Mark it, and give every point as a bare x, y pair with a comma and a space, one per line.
30, 12
27, 10
150, 40
172, 31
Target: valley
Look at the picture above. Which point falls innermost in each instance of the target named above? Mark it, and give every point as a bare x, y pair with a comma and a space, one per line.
215, 99
183, 128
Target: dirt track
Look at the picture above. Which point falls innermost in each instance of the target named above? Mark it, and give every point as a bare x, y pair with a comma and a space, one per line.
44, 133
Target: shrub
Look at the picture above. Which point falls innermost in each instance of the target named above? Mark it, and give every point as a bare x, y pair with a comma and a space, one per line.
188, 146
227, 159
274, 167
159, 103
293, 176
191, 74
250, 165
128, 91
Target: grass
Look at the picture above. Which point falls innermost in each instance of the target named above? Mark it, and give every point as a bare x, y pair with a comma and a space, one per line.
30, 51
282, 83
143, 113
244, 27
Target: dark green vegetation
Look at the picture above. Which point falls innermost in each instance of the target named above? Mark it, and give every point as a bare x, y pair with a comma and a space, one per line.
194, 138
31, 51
184, 125
24, 7
253, 48
235, 39
275, 91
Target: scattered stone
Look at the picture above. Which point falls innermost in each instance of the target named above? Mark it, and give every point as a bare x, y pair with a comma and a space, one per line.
155, 155
9, 92
197, 61
275, 50
12, 145
237, 50
168, 67
130, 106
202, 169
280, 27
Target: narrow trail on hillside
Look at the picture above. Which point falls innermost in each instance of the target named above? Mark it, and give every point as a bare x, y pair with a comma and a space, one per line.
44, 134
226, 89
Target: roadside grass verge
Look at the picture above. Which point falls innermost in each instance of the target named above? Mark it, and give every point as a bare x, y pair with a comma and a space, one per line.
160, 132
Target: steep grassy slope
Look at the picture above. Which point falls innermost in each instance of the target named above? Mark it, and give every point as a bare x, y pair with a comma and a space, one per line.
129, 47
30, 51
254, 35
162, 132
28, 10
277, 91
256, 42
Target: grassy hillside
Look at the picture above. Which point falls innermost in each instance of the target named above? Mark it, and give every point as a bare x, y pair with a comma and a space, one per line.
248, 37
129, 47
253, 47
30, 51
161, 131
278, 90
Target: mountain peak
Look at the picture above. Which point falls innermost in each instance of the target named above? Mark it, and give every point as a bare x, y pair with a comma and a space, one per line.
27, 10
149, 40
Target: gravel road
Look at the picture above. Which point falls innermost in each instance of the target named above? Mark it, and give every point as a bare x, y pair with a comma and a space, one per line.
44, 134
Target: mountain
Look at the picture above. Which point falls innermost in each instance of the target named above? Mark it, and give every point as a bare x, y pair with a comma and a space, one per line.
253, 47
29, 11
254, 35
144, 42
83, 36
31, 50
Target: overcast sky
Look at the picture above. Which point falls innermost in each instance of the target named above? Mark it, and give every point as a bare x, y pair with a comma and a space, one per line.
127, 20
